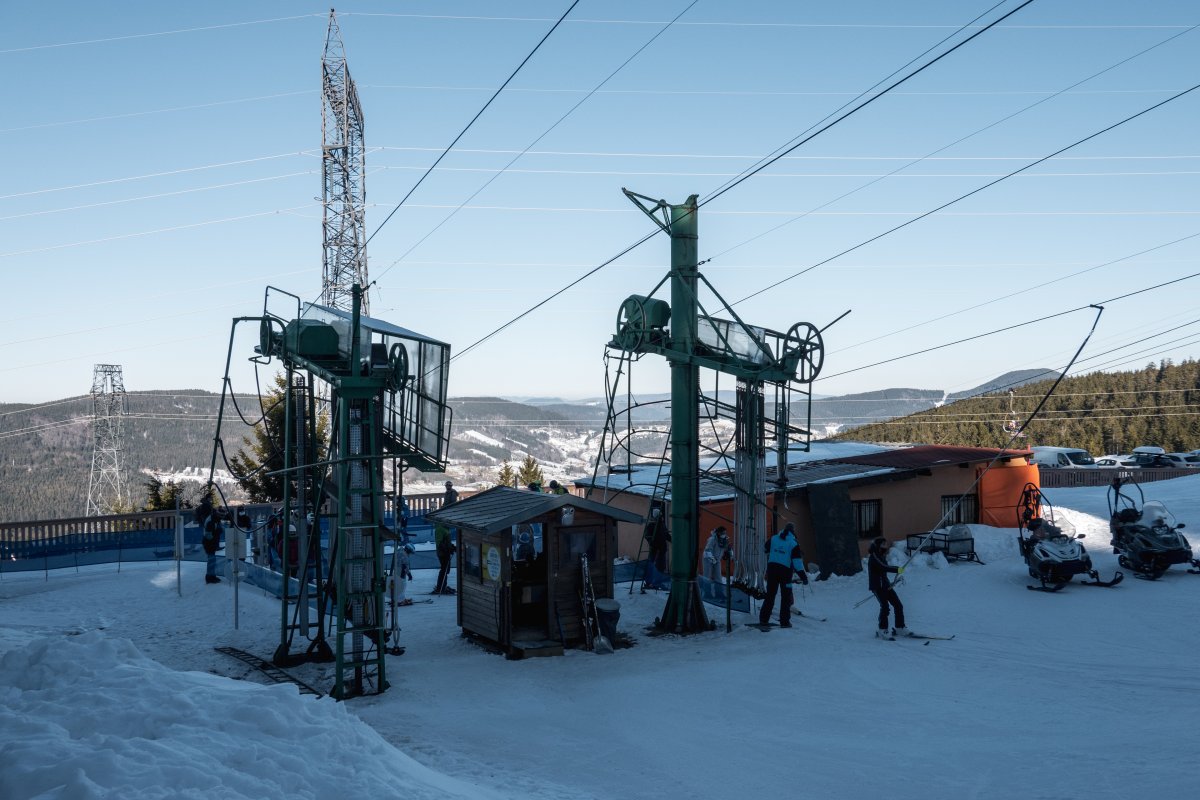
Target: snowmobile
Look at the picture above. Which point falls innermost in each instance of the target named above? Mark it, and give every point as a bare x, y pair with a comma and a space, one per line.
1053, 555
1145, 535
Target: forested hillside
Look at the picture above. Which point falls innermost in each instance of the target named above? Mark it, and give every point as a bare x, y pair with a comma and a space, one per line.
46, 449
1104, 412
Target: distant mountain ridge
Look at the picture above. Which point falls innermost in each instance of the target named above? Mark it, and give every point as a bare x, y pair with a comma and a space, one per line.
45, 449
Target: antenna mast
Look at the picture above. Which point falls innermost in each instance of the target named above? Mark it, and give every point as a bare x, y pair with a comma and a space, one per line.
343, 167
107, 488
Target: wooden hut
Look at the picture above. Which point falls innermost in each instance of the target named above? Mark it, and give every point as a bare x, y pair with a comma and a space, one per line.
519, 565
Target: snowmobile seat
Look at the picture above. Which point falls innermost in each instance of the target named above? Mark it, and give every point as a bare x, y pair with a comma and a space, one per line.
1128, 515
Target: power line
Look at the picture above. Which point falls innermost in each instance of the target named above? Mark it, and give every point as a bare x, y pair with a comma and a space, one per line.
790, 157
1022, 291
974, 191
469, 124
541, 136
155, 33
826, 123
1043, 318
150, 112
971, 135
180, 171
718, 23
656, 231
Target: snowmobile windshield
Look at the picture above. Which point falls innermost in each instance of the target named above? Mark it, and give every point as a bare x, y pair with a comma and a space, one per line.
1156, 515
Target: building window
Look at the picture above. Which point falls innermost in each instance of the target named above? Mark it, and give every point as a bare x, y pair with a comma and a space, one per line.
472, 561
966, 512
575, 542
868, 518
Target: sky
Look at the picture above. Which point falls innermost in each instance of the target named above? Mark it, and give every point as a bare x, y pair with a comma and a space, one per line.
111, 688
165, 169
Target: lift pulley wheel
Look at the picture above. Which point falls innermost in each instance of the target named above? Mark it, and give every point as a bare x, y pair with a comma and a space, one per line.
631, 324
804, 347
398, 364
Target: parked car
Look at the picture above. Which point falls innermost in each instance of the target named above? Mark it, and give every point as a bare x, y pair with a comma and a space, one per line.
1111, 462
1150, 461
1185, 460
1062, 457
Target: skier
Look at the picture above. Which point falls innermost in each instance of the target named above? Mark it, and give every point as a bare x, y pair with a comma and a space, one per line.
881, 586
783, 559
401, 575
451, 495
445, 549
212, 543
717, 555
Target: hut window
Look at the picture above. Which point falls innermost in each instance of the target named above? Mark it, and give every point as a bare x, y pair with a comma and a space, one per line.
967, 511
576, 542
868, 517
472, 561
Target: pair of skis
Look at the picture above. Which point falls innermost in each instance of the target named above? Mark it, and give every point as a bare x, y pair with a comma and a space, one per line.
891, 637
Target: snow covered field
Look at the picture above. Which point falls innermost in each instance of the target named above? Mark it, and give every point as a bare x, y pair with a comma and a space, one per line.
110, 688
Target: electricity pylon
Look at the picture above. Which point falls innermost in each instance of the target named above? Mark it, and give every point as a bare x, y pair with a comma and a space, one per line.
107, 489
343, 166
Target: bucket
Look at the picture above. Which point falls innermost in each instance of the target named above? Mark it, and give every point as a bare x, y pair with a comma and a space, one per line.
608, 613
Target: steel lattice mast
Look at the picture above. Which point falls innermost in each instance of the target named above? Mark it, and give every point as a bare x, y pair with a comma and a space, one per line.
107, 489
343, 165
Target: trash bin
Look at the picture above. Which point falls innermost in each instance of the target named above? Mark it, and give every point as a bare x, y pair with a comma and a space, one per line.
608, 612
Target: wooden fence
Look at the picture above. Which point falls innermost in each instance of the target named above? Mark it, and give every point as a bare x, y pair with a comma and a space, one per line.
1057, 478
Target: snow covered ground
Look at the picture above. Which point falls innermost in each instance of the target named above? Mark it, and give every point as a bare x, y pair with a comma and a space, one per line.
109, 687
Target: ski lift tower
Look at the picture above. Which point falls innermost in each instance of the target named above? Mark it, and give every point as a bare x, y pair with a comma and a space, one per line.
755, 356
387, 401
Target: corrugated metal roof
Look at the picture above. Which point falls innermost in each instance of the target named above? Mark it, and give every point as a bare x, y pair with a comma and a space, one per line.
719, 485
501, 507
930, 455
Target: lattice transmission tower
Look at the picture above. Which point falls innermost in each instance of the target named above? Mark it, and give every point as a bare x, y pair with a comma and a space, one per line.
107, 488
343, 164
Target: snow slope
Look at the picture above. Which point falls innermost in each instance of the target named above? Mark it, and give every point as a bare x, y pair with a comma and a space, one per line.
111, 688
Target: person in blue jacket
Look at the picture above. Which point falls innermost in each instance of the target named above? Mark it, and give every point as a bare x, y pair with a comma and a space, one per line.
783, 559
881, 586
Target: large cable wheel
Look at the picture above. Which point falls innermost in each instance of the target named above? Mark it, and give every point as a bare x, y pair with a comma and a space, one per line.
804, 346
266, 340
398, 367
631, 324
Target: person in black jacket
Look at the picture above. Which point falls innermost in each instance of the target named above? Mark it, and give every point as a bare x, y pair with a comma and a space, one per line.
881, 586
212, 543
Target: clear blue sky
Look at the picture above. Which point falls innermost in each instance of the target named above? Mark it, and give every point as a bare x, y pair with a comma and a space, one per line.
163, 168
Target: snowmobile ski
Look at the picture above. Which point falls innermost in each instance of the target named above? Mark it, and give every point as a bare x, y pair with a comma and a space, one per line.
1095, 579
1054, 587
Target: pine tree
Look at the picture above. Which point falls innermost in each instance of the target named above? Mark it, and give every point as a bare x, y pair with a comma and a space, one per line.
530, 472
264, 453
507, 476
162, 496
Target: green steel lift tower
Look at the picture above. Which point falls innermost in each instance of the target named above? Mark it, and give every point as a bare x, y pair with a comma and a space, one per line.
387, 402
755, 356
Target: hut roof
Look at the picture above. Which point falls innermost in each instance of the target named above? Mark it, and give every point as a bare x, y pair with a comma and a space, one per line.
502, 507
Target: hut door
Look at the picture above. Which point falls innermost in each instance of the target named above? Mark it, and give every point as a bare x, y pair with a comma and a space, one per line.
530, 608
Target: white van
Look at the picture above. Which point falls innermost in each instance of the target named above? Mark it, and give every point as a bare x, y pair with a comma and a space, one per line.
1062, 457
